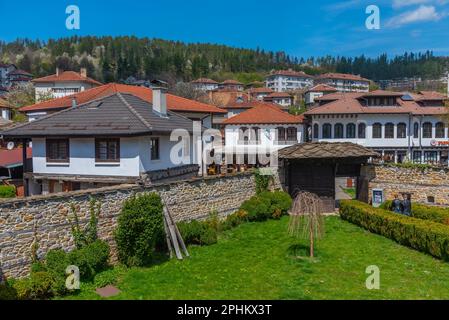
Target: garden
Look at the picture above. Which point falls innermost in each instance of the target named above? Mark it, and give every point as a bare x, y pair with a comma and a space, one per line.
251, 254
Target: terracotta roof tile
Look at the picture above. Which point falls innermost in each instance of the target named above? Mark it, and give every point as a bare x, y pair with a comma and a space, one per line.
322, 88
10, 158
326, 150
290, 73
205, 80
65, 77
279, 95
260, 90
231, 82
174, 103
264, 114
342, 76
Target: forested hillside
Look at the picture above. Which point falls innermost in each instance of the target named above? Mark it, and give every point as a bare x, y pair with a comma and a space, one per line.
117, 58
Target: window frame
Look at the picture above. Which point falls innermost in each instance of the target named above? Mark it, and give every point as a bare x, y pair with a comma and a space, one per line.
158, 144
316, 131
327, 126
401, 130
66, 141
389, 130
353, 132
377, 126
440, 126
426, 126
339, 131
97, 150
359, 127
291, 134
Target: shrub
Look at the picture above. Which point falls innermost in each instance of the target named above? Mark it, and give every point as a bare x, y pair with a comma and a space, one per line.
90, 260
7, 191
140, 229
108, 277
7, 292
279, 201
37, 286
423, 235
234, 220
262, 181
258, 208
214, 221
197, 232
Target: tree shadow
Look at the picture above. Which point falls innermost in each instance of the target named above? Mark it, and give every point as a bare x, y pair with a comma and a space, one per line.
301, 252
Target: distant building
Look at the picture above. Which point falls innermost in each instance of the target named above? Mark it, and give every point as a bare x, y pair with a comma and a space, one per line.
5, 110
10, 76
231, 85
288, 80
317, 92
410, 84
5, 69
259, 93
344, 82
63, 83
280, 98
205, 84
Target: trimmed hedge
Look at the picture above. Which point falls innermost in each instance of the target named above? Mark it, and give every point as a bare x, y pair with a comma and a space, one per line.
7, 191
423, 235
197, 232
420, 211
267, 205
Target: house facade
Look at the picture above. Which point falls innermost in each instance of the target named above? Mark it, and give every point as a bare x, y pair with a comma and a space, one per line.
231, 85
399, 126
259, 93
259, 131
5, 110
317, 92
281, 98
288, 80
344, 82
205, 84
113, 140
5, 70
63, 83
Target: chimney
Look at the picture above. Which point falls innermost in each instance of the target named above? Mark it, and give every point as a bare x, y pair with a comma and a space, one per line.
57, 71
160, 101
74, 103
83, 72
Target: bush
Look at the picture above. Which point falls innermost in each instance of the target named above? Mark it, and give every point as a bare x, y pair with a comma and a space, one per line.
7, 191
262, 181
108, 277
91, 259
423, 235
140, 229
7, 292
258, 208
38, 286
234, 220
56, 263
420, 211
197, 232
279, 201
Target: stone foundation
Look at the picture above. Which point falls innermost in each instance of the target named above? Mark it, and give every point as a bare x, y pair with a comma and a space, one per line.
46, 218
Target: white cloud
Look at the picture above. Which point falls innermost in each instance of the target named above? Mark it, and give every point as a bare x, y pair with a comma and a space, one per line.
404, 3
423, 13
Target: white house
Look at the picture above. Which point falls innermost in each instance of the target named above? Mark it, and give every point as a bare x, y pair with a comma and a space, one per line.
231, 85
259, 93
116, 139
204, 84
5, 110
259, 131
400, 126
288, 80
281, 98
344, 82
194, 110
63, 83
317, 92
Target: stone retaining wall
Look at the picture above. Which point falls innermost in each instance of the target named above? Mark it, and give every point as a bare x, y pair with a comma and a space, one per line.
46, 218
422, 183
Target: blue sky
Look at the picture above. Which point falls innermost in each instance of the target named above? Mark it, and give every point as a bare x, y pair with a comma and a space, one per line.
299, 27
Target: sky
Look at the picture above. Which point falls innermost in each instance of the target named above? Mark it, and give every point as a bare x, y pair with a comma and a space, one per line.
301, 28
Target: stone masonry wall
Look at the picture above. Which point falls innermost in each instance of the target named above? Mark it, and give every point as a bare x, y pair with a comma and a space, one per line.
46, 218
421, 183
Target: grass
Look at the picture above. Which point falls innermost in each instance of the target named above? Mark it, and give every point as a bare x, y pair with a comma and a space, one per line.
260, 261
350, 192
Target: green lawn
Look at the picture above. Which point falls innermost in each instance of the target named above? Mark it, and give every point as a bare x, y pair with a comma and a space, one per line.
259, 261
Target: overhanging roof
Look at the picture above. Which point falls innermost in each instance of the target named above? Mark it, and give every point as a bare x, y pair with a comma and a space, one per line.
326, 150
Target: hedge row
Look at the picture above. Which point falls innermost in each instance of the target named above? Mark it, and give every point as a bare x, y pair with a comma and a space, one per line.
7, 191
420, 211
423, 235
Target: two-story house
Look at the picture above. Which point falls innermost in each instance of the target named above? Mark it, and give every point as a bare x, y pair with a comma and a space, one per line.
63, 83
116, 139
400, 126
259, 93
205, 84
259, 131
281, 98
288, 81
344, 82
231, 85
317, 92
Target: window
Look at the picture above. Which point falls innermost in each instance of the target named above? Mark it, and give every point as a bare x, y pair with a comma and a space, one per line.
431, 199
58, 150
327, 131
316, 131
416, 130
427, 130
107, 150
280, 134
417, 156
350, 131
155, 152
243, 135
439, 130
292, 134
338, 131
255, 135
389, 131
430, 156
377, 131
362, 131
401, 131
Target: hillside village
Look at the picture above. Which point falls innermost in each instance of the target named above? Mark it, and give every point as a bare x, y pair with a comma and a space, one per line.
81, 134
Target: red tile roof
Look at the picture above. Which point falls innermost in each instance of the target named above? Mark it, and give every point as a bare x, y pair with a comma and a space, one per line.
205, 80
264, 114
290, 73
67, 76
9, 158
4, 104
351, 103
341, 76
249, 105
279, 95
322, 88
174, 103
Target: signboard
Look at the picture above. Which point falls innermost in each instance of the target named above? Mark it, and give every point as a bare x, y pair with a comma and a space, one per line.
378, 197
435, 143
